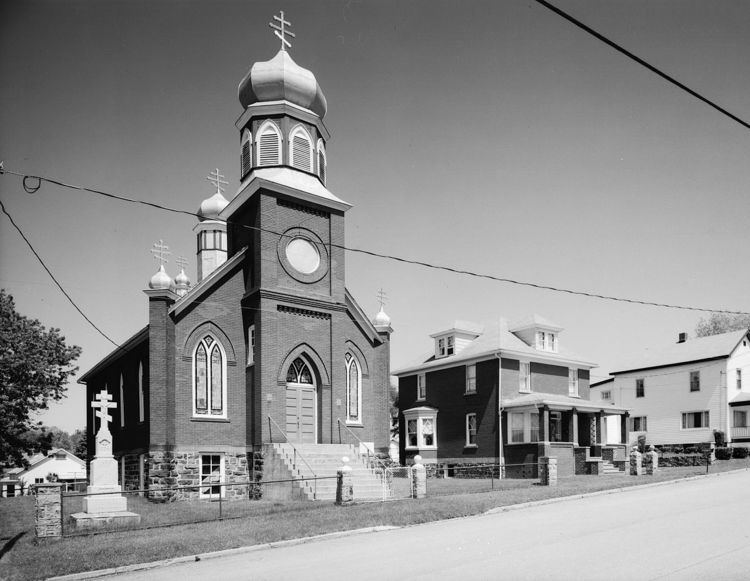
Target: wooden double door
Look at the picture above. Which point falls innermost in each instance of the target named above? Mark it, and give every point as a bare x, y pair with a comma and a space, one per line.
301, 425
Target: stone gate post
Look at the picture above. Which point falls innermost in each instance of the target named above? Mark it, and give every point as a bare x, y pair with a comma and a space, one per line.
48, 512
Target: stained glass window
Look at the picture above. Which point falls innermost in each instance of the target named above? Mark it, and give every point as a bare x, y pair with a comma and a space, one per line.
209, 378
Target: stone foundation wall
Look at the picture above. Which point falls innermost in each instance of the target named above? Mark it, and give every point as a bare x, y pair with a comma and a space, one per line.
256, 474
133, 473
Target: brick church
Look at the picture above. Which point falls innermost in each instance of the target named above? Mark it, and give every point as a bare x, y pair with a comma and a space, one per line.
268, 345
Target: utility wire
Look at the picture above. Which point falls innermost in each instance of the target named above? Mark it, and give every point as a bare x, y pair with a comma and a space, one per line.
52, 276
40, 179
640, 61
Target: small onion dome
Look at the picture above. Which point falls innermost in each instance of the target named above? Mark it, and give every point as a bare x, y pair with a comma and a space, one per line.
212, 207
182, 279
281, 79
381, 319
161, 280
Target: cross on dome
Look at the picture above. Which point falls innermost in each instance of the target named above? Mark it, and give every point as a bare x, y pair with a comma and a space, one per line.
160, 252
104, 404
281, 31
216, 179
382, 298
182, 262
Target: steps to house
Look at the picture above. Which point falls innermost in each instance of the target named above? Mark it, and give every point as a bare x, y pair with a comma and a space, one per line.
609, 468
323, 461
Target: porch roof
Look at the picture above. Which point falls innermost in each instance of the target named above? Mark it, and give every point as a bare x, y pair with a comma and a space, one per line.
561, 402
742, 398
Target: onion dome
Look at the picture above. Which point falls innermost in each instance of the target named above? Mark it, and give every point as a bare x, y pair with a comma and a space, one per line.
161, 280
182, 279
281, 79
212, 207
381, 319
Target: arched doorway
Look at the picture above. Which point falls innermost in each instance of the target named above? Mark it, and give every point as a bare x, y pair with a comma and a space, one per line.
301, 402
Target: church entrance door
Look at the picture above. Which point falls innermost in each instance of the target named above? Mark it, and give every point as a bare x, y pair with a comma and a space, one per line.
300, 404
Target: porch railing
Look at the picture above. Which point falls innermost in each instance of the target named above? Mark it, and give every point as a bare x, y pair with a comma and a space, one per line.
296, 453
740, 433
372, 459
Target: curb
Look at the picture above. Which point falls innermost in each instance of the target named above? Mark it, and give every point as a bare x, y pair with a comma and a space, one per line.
510, 507
214, 554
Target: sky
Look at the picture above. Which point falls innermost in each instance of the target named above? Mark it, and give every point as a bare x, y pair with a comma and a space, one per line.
488, 136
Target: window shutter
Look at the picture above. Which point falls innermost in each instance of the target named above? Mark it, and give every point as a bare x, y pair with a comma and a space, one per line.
269, 149
245, 159
301, 153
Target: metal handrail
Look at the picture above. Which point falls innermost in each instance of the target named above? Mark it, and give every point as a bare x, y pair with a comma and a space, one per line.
296, 452
378, 460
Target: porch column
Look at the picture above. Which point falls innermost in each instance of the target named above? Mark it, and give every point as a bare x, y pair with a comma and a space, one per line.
624, 428
598, 420
574, 426
544, 424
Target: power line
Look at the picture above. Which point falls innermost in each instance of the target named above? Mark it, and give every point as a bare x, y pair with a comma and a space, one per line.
642, 62
394, 258
52, 276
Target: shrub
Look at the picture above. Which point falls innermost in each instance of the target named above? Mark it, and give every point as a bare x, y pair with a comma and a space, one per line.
642, 443
740, 452
719, 438
723, 453
677, 449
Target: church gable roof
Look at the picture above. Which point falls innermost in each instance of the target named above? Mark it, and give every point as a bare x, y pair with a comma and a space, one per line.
126, 347
359, 317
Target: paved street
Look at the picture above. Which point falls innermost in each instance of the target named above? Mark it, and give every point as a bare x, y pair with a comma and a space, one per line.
691, 530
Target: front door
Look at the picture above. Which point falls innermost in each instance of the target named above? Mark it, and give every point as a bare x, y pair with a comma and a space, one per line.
300, 403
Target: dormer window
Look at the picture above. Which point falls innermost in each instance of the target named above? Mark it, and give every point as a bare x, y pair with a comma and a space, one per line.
445, 346
449, 349
546, 341
440, 348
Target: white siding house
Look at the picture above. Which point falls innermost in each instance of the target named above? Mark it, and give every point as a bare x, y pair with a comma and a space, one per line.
685, 392
64, 465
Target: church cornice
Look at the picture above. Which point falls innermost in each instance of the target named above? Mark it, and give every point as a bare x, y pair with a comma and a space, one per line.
290, 299
270, 108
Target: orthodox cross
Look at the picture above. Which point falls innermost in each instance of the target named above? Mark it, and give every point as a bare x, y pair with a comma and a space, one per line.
160, 252
382, 297
281, 31
215, 178
104, 404
181, 262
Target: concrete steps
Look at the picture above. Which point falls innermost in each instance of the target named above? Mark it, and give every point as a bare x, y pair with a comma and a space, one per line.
609, 468
323, 461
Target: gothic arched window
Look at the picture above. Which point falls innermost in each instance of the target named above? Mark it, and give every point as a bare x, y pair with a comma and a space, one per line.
353, 390
299, 372
245, 159
300, 146
209, 378
268, 144
322, 161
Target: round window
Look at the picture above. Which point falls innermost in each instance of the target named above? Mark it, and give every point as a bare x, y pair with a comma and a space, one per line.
303, 255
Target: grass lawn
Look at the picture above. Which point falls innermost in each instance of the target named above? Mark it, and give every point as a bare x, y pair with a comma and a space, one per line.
265, 521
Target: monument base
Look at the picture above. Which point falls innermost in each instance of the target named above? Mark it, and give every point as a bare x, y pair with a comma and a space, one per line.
104, 503
89, 521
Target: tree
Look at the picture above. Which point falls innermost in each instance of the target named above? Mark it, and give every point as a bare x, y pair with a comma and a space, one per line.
35, 365
721, 323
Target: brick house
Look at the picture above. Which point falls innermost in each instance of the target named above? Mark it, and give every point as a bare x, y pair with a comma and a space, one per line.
269, 345
450, 412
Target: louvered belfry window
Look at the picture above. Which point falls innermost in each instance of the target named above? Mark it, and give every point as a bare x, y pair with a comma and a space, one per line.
245, 160
269, 146
301, 150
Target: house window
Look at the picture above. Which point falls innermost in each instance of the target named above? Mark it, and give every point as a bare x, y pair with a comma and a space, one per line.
212, 475
524, 427
449, 348
573, 382
540, 338
212, 240
693, 420
555, 427
141, 407
471, 379
524, 377
606, 395
421, 386
353, 390
209, 378
640, 390
421, 429
411, 433
251, 345
471, 430
739, 419
322, 161
638, 424
301, 154
38, 480
245, 156
268, 145
552, 342
695, 381
122, 402
441, 348
739, 379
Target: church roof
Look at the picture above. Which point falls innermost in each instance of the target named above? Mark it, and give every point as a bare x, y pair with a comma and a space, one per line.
496, 340
281, 79
123, 349
287, 181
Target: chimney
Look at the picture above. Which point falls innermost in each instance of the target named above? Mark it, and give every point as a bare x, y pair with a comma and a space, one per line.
682, 337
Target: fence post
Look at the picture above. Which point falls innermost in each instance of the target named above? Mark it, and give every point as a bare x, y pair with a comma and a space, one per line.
419, 478
547, 471
636, 466
48, 512
344, 486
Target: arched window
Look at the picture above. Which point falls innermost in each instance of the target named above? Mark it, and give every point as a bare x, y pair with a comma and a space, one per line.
209, 378
299, 372
122, 402
300, 146
245, 159
353, 390
141, 407
322, 161
268, 144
